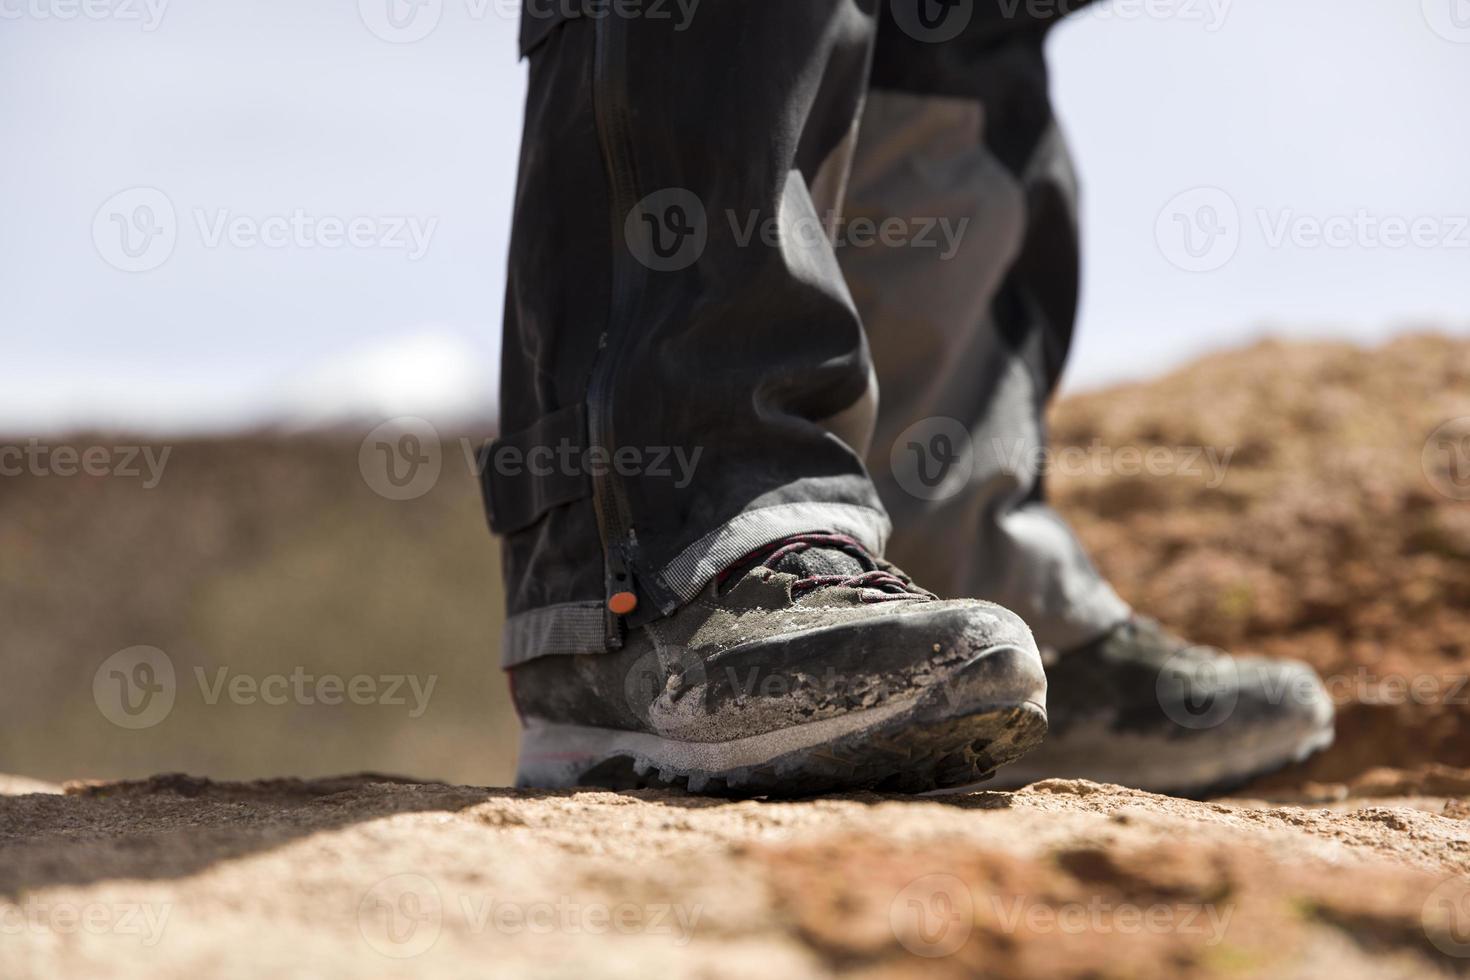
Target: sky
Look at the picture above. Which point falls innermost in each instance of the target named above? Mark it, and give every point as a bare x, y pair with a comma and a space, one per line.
213, 215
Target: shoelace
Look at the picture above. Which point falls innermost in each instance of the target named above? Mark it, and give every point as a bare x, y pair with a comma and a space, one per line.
880, 584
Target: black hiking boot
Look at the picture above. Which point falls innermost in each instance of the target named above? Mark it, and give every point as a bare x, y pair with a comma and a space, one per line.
808, 667
1142, 708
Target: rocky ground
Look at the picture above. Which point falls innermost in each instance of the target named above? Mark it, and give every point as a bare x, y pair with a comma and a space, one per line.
180, 877
1305, 500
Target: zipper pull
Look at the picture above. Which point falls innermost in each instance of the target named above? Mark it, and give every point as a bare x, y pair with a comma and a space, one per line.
622, 600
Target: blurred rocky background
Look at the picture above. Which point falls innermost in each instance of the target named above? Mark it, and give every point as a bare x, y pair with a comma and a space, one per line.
1301, 499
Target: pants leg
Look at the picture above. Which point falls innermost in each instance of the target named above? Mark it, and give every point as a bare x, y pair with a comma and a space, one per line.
684, 373
969, 336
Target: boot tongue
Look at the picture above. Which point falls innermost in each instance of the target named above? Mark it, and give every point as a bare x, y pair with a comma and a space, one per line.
815, 562
804, 556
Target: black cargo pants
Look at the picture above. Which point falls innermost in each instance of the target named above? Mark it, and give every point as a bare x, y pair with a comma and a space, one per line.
737, 222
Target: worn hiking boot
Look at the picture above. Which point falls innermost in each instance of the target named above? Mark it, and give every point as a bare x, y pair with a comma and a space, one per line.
808, 667
1142, 708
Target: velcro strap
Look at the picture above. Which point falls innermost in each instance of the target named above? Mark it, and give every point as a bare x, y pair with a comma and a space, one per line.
526, 474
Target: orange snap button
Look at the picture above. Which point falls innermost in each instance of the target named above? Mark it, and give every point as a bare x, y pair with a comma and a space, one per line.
622, 603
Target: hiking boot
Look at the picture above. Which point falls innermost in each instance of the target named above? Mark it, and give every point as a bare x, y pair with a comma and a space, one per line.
808, 667
1142, 708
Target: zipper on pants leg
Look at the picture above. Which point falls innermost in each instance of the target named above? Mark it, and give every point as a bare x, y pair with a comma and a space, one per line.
610, 109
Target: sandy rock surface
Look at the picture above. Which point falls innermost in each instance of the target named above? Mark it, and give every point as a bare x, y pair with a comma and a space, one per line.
367, 876
1309, 501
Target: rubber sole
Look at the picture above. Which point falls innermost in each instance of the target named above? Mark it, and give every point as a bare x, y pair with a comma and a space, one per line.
1168, 768
1223, 787
904, 746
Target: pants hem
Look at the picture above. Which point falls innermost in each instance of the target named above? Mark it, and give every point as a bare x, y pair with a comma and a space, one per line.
577, 628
